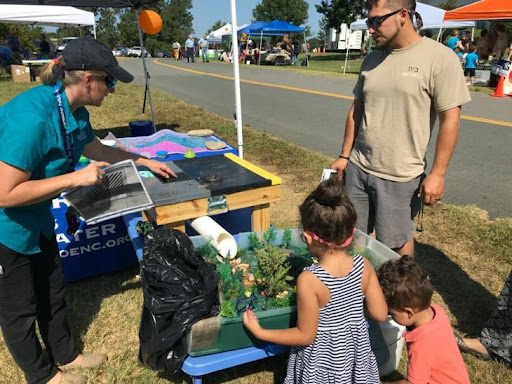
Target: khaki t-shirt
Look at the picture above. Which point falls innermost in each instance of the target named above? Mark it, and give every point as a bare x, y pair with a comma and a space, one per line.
402, 91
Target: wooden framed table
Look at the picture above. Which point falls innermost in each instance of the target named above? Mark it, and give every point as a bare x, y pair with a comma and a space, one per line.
33, 63
259, 199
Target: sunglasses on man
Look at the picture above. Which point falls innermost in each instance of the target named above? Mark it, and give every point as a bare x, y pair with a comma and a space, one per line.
376, 21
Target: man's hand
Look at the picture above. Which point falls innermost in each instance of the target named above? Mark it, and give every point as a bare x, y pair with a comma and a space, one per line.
432, 188
340, 165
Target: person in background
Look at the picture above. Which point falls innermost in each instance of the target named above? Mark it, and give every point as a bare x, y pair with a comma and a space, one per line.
495, 339
387, 131
203, 46
14, 44
176, 50
431, 348
471, 61
43, 133
189, 45
331, 342
295, 50
482, 45
454, 41
501, 42
5, 53
44, 47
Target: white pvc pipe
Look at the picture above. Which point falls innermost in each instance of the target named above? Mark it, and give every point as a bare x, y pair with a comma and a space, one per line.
236, 75
219, 238
143, 55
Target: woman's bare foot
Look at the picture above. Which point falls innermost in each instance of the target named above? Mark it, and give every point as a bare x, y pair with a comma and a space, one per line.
76, 362
55, 379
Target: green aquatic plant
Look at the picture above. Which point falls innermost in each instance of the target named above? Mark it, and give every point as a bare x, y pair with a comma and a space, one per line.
272, 273
287, 238
270, 235
254, 241
207, 252
227, 309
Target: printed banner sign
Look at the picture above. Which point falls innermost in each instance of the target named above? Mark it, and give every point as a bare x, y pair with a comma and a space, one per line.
500, 67
93, 249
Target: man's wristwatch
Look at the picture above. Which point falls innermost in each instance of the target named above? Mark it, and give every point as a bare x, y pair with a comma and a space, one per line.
344, 157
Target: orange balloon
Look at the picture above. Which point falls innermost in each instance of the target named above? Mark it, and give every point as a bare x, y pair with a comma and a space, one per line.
150, 22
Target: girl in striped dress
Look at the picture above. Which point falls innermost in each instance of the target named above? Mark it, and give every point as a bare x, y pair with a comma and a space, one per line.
330, 343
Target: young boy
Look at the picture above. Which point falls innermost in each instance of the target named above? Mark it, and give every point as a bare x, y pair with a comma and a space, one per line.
471, 63
434, 357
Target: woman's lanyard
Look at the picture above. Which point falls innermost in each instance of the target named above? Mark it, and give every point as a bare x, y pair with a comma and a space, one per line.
63, 128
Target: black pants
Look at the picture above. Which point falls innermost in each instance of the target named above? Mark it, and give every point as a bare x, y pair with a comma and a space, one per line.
32, 288
190, 54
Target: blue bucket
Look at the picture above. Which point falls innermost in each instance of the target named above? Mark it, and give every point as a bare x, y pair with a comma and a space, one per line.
141, 128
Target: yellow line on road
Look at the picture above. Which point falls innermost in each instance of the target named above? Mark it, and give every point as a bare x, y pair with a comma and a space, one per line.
328, 94
487, 121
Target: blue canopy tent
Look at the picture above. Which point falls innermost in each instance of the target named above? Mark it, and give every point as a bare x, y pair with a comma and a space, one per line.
271, 28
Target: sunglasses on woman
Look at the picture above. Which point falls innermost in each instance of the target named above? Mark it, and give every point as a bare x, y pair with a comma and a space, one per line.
376, 21
109, 80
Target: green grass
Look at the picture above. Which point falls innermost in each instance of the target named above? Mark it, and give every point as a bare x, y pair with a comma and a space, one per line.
468, 256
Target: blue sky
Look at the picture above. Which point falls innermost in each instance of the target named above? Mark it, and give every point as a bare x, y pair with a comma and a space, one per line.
207, 12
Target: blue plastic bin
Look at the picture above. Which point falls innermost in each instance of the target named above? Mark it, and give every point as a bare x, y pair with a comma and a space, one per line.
141, 128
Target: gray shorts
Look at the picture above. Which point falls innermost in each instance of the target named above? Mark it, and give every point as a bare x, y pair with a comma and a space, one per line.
387, 206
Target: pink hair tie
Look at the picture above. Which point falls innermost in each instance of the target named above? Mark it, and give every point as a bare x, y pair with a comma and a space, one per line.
56, 61
332, 245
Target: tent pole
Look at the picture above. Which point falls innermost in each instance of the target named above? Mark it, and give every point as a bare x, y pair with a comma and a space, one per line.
236, 75
94, 29
146, 74
307, 53
346, 57
259, 55
472, 33
440, 35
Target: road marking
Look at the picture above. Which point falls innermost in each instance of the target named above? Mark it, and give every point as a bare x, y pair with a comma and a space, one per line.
310, 91
328, 94
488, 121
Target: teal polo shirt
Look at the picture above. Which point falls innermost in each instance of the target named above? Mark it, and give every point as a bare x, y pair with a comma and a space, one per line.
31, 139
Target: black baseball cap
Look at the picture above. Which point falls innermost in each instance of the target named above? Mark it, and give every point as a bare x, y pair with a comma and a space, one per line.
87, 53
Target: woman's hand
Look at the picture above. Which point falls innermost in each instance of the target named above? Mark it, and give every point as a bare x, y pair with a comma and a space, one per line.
251, 322
157, 167
92, 174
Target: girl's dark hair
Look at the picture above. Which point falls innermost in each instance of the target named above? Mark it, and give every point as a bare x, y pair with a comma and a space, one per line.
405, 284
328, 212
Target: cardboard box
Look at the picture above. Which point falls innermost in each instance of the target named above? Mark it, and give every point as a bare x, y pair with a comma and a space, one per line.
20, 73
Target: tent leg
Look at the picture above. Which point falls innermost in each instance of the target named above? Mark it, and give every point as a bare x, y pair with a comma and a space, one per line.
236, 73
259, 55
146, 74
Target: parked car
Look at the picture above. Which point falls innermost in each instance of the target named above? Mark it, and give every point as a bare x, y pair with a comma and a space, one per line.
163, 53
136, 51
63, 43
120, 51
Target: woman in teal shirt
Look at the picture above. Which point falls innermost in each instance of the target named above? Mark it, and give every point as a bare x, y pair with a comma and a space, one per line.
43, 133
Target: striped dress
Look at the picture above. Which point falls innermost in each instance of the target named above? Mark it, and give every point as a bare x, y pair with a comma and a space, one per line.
341, 352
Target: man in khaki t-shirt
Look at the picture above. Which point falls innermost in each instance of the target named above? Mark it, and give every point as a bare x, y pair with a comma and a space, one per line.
403, 87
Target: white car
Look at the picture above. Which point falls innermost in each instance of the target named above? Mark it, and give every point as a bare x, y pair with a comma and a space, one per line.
136, 51
63, 43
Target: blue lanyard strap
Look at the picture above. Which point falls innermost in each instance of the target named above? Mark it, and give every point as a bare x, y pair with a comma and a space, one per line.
63, 128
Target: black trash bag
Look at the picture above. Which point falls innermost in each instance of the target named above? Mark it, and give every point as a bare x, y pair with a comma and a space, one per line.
179, 289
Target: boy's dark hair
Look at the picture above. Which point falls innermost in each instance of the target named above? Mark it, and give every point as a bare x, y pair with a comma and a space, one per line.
328, 212
472, 47
405, 284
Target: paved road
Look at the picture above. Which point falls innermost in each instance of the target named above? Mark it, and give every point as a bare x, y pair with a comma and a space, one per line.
310, 110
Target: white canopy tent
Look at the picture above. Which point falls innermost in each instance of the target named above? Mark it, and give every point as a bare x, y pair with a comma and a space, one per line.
216, 36
57, 16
